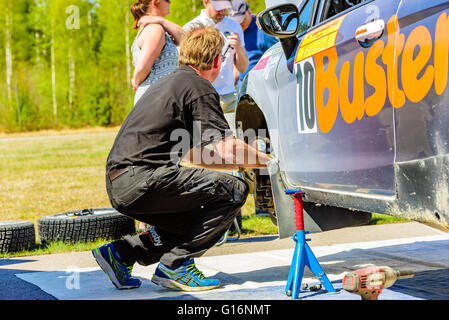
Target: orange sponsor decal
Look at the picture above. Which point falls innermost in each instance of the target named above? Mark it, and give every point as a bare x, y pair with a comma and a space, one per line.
326, 80
375, 77
417, 74
319, 39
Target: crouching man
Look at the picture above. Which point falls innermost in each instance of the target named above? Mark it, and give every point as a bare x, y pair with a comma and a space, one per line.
189, 207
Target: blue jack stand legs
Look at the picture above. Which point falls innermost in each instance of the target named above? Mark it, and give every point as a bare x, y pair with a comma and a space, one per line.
303, 255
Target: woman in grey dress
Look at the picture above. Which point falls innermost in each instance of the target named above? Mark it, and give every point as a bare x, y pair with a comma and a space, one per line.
154, 49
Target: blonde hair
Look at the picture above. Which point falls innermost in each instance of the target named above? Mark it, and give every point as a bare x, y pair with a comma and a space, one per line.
200, 46
140, 8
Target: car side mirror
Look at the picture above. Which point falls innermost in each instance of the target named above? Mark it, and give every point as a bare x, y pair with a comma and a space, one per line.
279, 21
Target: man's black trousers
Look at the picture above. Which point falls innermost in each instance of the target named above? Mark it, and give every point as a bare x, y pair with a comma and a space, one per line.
189, 208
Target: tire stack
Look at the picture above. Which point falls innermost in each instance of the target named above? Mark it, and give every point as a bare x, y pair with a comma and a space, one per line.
85, 226
16, 236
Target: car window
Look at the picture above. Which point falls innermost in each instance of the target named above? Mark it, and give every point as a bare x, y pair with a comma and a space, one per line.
304, 16
334, 7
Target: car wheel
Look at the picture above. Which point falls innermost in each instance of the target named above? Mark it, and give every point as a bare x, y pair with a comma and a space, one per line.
16, 236
85, 225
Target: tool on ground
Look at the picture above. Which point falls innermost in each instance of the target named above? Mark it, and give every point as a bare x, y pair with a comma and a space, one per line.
311, 287
369, 282
303, 255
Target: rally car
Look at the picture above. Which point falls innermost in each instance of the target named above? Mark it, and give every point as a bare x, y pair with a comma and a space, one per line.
353, 103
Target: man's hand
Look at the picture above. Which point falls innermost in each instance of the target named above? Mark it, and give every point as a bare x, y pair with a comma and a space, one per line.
228, 154
234, 40
241, 60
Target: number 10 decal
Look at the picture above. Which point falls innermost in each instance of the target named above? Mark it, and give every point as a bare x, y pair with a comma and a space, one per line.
305, 98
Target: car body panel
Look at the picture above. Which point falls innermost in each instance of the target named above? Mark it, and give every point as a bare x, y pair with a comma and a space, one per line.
351, 157
421, 107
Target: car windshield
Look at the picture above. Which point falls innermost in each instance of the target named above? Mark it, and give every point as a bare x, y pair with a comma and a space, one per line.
304, 17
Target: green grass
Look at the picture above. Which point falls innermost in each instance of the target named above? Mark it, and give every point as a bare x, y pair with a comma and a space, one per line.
255, 226
377, 219
55, 247
43, 175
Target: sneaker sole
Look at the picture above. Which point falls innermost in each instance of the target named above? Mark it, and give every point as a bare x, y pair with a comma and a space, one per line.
104, 265
171, 284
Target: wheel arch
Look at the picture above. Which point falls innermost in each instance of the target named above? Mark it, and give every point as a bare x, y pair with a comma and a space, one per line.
249, 115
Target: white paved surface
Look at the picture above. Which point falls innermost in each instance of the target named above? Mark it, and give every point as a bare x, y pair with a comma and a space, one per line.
262, 275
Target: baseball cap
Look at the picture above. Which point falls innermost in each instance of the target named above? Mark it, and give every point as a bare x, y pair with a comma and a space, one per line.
221, 4
238, 10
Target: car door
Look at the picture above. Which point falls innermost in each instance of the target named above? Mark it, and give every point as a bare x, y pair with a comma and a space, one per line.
336, 118
422, 114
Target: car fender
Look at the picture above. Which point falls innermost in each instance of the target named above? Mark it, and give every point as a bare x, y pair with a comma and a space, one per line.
257, 106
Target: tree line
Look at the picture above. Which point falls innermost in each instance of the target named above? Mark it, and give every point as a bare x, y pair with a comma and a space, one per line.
68, 64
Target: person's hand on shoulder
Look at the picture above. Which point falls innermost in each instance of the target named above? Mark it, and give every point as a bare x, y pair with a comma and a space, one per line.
146, 20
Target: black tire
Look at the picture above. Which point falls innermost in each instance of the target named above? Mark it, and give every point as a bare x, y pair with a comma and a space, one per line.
85, 226
16, 236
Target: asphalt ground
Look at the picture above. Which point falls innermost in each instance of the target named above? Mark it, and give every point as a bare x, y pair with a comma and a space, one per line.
22, 278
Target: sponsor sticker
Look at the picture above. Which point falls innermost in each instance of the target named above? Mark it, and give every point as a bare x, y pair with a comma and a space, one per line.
319, 39
261, 64
398, 67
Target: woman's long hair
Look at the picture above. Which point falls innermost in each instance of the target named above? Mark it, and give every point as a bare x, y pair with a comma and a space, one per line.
140, 8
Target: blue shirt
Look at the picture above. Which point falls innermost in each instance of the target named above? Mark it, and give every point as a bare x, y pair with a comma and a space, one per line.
256, 43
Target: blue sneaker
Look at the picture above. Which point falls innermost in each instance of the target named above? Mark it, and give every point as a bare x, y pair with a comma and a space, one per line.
115, 268
186, 278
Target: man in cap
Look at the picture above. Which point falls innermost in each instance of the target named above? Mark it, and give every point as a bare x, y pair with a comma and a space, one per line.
234, 53
256, 41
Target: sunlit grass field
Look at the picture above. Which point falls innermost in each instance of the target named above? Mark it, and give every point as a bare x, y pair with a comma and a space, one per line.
46, 174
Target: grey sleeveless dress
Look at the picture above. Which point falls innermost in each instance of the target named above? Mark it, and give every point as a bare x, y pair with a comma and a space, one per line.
165, 64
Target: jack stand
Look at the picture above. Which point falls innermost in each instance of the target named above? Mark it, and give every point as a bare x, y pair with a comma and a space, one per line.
303, 255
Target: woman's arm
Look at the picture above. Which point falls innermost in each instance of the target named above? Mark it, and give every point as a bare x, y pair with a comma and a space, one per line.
151, 43
173, 29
